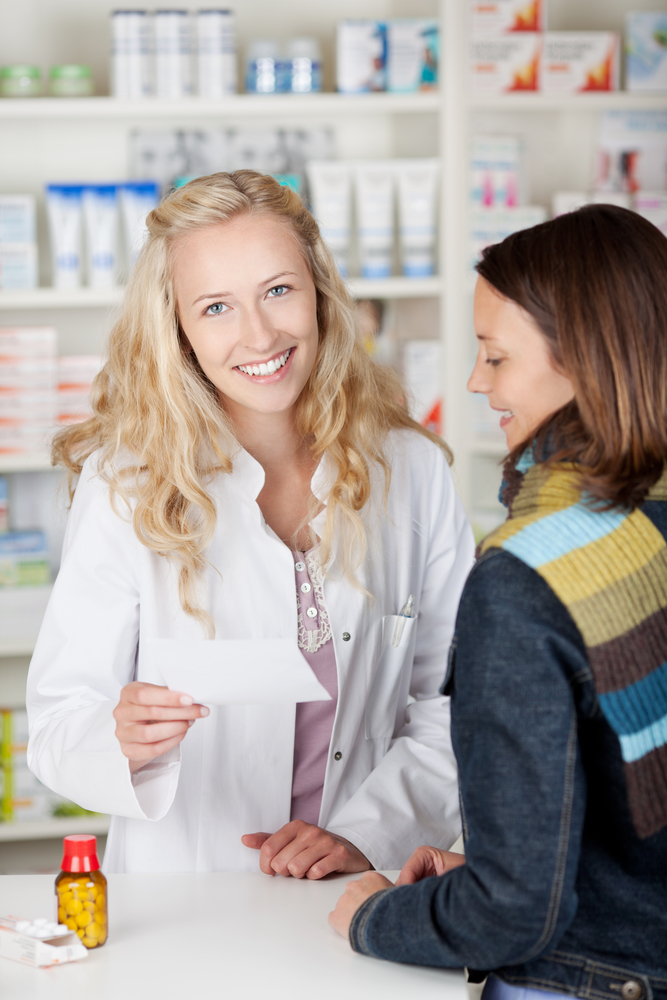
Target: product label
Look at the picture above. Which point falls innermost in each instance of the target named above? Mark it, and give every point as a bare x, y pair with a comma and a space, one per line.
496, 17
501, 65
361, 56
412, 55
575, 61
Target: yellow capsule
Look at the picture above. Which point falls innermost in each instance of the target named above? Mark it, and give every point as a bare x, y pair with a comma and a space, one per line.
62, 916
101, 901
92, 893
103, 936
101, 917
81, 932
66, 896
94, 930
71, 923
83, 919
73, 907
89, 906
89, 942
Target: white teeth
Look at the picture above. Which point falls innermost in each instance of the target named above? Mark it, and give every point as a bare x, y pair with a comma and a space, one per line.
268, 367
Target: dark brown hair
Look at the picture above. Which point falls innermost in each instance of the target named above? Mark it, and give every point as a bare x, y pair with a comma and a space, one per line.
595, 283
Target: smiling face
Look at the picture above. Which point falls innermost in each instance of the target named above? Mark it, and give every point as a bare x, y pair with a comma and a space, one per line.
248, 307
514, 367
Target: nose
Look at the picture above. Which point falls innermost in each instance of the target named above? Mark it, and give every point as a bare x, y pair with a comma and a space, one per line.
478, 381
257, 332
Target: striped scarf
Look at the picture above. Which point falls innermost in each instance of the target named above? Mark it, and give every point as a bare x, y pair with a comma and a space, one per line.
609, 569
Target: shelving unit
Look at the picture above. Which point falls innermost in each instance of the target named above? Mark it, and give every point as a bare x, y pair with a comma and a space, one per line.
42, 138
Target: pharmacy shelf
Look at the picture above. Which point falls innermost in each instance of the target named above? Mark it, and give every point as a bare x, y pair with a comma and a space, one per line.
29, 461
45, 829
234, 106
102, 298
619, 100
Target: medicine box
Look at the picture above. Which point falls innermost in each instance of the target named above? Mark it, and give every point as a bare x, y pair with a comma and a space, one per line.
28, 342
24, 559
412, 54
421, 370
506, 63
33, 951
497, 17
496, 171
646, 51
361, 56
578, 61
18, 266
17, 218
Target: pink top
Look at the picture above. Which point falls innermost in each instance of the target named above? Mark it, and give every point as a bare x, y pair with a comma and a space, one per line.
314, 719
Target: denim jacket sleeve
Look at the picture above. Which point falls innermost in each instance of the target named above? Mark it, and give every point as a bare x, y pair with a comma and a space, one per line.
517, 657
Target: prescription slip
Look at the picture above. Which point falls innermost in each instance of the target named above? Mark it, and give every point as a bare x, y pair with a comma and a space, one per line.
235, 671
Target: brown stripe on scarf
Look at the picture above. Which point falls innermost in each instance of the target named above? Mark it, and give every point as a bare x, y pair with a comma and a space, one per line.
631, 656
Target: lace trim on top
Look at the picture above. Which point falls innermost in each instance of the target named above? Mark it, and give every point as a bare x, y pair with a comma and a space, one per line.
310, 640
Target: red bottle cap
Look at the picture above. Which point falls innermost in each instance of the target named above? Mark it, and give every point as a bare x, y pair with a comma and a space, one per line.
80, 853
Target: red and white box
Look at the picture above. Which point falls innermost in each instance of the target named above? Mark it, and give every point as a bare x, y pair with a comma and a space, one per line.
574, 62
506, 63
497, 17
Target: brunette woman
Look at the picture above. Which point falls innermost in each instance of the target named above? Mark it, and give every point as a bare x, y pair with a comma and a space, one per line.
558, 670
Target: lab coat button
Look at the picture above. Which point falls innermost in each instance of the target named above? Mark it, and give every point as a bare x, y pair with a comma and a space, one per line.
338, 755
346, 636
631, 990
305, 588
299, 567
312, 612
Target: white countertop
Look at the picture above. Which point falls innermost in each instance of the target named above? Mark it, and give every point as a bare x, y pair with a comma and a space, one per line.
221, 936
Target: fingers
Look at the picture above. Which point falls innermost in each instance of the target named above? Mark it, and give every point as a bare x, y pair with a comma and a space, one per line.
303, 850
151, 719
428, 861
355, 894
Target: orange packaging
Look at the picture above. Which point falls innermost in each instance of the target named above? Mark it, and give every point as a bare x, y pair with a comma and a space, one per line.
578, 61
506, 63
497, 17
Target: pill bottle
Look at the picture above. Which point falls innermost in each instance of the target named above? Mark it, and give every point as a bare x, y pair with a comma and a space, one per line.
265, 71
20, 81
304, 61
81, 891
71, 80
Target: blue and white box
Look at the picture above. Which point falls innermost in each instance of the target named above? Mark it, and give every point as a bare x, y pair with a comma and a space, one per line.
646, 51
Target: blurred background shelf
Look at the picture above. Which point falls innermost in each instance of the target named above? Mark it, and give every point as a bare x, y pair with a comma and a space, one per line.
44, 829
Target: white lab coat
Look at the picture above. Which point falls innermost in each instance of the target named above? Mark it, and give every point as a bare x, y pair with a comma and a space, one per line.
390, 781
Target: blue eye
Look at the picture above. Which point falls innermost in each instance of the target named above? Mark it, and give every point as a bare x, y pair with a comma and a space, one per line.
279, 290
216, 309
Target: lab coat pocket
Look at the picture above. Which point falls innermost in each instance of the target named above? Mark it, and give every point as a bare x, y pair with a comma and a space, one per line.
386, 684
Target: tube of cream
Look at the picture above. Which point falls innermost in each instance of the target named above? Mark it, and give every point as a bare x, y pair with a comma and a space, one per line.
137, 199
100, 214
329, 187
417, 206
375, 217
64, 209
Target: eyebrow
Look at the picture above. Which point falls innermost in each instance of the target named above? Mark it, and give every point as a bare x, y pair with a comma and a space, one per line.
224, 295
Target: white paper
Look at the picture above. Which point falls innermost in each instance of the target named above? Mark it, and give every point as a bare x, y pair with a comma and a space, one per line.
235, 671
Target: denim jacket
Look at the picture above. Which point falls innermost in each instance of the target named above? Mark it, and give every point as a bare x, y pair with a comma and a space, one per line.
558, 892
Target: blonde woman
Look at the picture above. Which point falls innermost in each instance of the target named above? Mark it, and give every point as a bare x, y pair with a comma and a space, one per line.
249, 473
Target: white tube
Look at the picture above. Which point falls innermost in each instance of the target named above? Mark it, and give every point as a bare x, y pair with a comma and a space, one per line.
172, 54
375, 217
63, 205
137, 199
329, 187
417, 207
216, 53
100, 215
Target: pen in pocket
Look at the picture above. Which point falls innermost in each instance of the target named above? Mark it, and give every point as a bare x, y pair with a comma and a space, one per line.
407, 611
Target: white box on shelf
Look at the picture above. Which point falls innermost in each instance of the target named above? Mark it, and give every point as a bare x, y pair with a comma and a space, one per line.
577, 61
17, 218
646, 51
421, 371
28, 373
361, 55
496, 171
24, 342
498, 17
412, 54
632, 151
28, 406
506, 63
18, 265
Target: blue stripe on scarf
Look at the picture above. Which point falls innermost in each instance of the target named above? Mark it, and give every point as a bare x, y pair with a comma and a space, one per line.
639, 744
557, 534
634, 708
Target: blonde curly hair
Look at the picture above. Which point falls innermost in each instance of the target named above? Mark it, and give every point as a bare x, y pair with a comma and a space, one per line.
157, 422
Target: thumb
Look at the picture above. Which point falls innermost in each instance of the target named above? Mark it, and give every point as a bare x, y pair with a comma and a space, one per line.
254, 840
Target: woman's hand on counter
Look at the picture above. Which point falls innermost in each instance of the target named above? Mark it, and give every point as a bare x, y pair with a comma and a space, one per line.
355, 894
305, 851
151, 720
427, 861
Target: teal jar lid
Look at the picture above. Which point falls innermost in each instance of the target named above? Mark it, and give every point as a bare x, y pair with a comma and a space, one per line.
20, 72
70, 71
